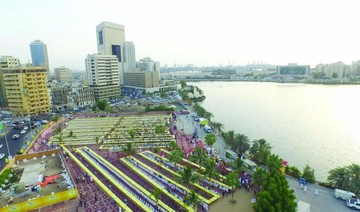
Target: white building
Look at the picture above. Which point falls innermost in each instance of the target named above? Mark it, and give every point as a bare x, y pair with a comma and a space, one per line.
103, 76
129, 57
9, 62
147, 64
355, 68
63, 74
339, 68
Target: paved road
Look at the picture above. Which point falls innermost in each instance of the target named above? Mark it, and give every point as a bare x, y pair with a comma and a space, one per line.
324, 202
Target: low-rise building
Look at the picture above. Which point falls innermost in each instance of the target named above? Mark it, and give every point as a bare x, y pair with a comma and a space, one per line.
63, 74
80, 96
143, 80
293, 69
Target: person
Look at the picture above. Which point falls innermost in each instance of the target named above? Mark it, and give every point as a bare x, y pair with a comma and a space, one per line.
316, 192
305, 188
95, 198
80, 203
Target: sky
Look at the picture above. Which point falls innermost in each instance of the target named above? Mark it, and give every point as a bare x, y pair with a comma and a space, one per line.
199, 32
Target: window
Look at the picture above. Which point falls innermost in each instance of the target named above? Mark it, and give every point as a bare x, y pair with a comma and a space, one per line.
101, 39
116, 50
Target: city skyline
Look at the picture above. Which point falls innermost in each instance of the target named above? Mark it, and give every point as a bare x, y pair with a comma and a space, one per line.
200, 33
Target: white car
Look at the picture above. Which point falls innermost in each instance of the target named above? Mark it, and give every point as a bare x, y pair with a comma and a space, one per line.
2, 155
26, 127
15, 136
353, 203
1, 146
23, 132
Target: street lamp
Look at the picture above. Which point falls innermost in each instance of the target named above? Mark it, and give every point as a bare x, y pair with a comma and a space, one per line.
7, 145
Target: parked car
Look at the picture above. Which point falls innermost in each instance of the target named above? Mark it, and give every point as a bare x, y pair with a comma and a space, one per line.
353, 203
1, 146
15, 136
26, 127
22, 131
2, 155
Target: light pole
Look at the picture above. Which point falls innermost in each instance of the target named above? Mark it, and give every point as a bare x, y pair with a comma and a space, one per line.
7, 145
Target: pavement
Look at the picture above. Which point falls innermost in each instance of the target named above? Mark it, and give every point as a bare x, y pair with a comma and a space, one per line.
323, 202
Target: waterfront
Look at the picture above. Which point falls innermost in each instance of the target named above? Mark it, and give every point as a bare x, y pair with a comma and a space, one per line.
305, 124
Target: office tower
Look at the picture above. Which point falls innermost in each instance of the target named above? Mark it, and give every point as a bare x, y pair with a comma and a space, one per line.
110, 39
9, 61
103, 76
63, 74
129, 57
26, 90
39, 55
147, 64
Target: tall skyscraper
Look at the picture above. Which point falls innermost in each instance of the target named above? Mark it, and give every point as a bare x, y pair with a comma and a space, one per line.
129, 57
110, 39
39, 55
26, 90
103, 76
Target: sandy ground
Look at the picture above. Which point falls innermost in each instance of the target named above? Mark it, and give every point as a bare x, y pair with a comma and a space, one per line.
242, 204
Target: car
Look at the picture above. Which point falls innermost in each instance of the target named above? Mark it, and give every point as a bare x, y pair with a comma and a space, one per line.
15, 136
22, 131
1, 146
353, 203
2, 155
26, 127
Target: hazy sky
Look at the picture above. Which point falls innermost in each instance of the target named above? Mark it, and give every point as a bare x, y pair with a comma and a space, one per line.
188, 31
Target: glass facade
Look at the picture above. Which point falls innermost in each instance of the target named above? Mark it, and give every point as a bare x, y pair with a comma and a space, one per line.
293, 70
116, 50
101, 38
37, 54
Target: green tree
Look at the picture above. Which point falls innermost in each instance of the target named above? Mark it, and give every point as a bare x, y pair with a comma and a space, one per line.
260, 176
109, 109
55, 118
210, 139
176, 156
354, 177
173, 145
71, 134
274, 163
159, 129
199, 156
241, 144
97, 140
183, 84
156, 193
232, 181
60, 138
238, 165
131, 133
309, 174
260, 151
128, 149
339, 178
94, 107
192, 199
217, 126
229, 137
293, 171
101, 104
187, 176
275, 195
210, 169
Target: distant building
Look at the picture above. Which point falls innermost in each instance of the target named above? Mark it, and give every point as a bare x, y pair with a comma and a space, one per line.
39, 55
355, 68
63, 74
26, 90
9, 62
338, 69
103, 76
110, 39
144, 80
129, 57
80, 96
293, 69
147, 64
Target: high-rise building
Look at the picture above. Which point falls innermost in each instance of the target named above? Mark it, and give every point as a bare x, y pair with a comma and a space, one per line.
9, 61
103, 76
147, 64
110, 39
63, 74
337, 70
39, 55
26, 90
129, 57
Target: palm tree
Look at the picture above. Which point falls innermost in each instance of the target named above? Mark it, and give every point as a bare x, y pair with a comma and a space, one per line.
229, 137
187, 176
55, 118
173, 145
241, 144
210, 168
175, 157
198, 156
192, 199
97, 140
210, 139
60, 138
156, 193
218, 126
260, 150
238, 165
71, 134
159, 129
132, 134
128, 149
232, 181
354, 177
